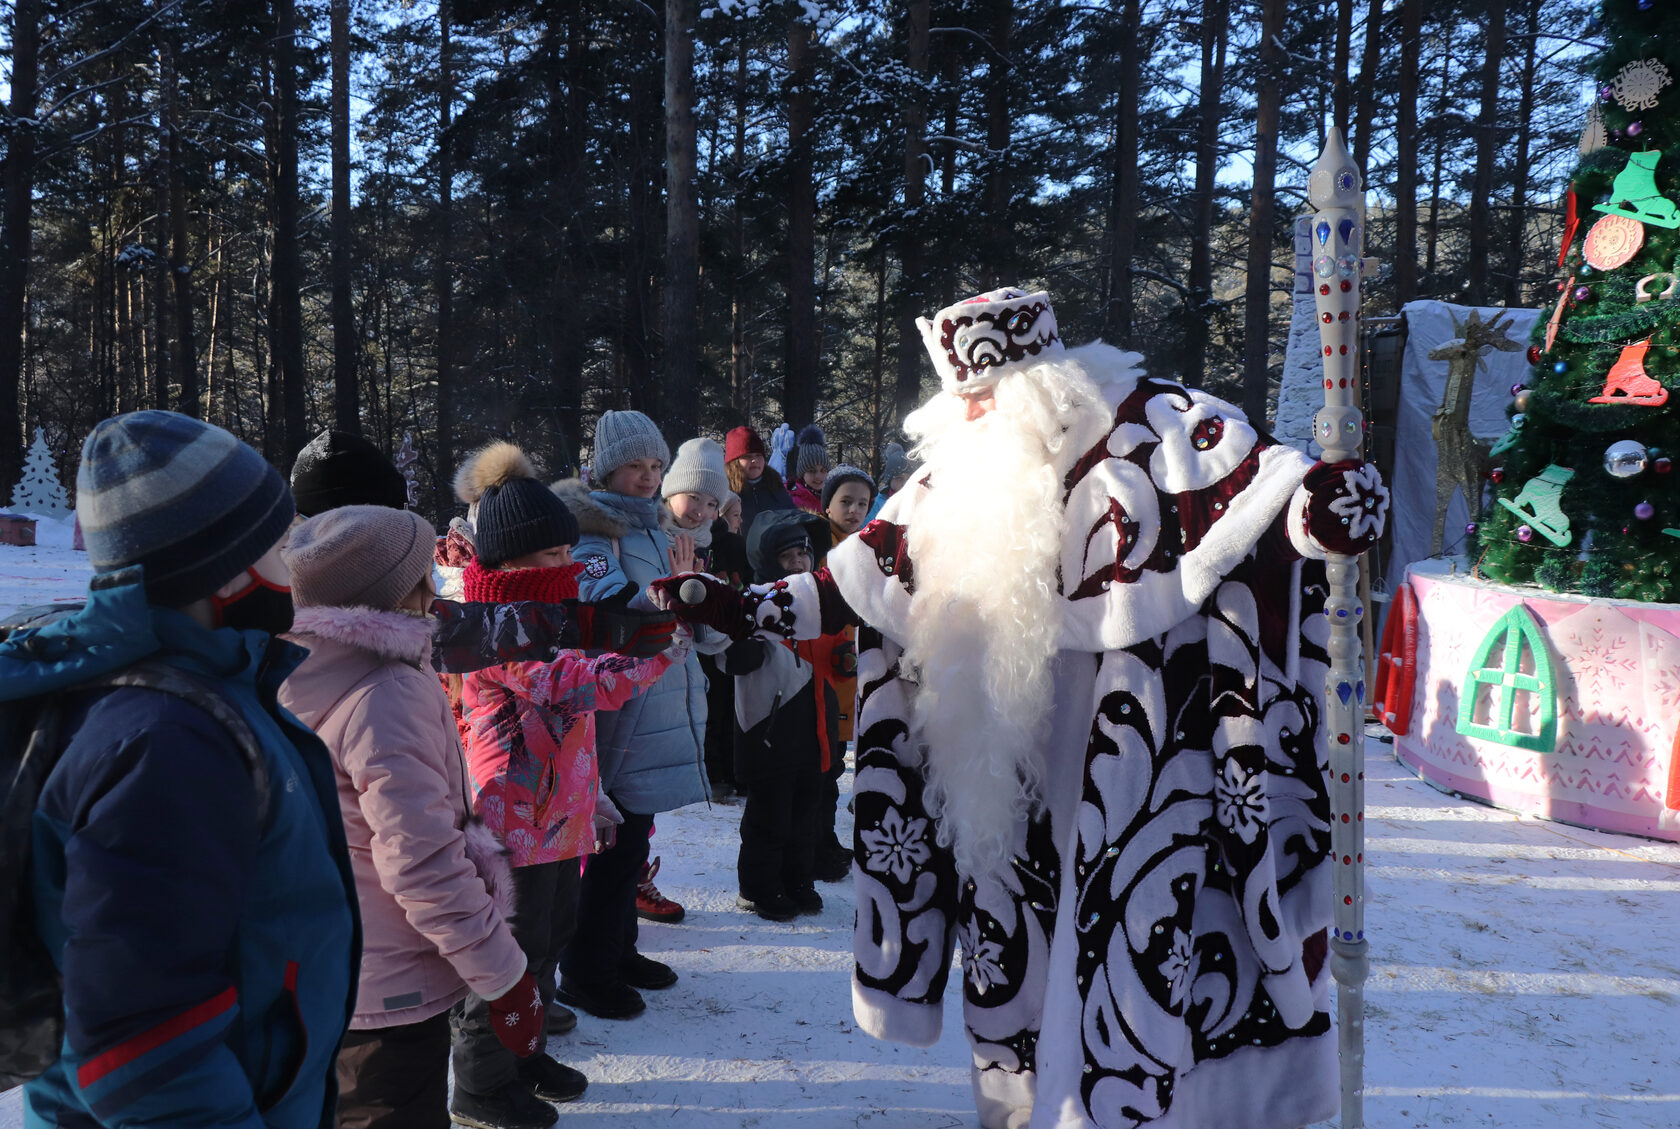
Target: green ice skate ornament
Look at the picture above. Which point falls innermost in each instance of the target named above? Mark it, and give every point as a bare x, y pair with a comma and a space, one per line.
1509, 439
1635, 194
1514, 631
1538, 504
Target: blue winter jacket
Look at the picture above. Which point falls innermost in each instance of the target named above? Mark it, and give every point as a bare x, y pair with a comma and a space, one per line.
209, 964
652, 751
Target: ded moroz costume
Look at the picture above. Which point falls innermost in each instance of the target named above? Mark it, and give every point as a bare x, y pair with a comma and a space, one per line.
1089, 736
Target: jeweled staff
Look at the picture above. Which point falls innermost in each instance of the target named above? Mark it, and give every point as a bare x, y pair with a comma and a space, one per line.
1336, 189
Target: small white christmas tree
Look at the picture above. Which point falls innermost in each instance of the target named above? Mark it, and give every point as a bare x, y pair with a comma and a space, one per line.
407, 456
39, 491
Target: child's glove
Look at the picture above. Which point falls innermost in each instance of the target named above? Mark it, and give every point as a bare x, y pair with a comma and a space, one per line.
640, 635
698, 598
1347, 506
782, 443
516, 1017
607, 820
845, 658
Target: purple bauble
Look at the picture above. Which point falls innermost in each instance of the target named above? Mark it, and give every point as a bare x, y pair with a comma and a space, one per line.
1644, 511
1606, 92
1470, 529
1524, 534
1517, 387
1582, 293
1634, 129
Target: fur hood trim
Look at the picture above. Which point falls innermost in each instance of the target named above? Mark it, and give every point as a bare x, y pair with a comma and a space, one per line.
493, 465
394, 636
490, 859
593, 518
597, 520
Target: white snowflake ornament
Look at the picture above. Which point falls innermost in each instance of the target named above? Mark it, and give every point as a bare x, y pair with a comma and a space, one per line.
1637, 85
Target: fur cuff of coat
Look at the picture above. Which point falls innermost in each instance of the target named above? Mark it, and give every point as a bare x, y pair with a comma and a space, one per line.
490, 859
395, 636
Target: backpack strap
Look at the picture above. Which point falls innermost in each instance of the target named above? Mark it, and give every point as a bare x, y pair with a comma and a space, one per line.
151, 674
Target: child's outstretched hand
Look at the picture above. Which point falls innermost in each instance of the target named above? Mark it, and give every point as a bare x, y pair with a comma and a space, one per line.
682, 553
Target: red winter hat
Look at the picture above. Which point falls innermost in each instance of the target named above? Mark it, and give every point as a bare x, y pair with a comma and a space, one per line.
742, 441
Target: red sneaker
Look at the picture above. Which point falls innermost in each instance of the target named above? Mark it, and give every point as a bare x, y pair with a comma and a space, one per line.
651, 905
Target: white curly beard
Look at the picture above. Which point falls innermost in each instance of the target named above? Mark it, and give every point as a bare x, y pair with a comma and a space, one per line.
984, 618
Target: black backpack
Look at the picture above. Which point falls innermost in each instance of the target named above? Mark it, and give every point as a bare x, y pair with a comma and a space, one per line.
32, 739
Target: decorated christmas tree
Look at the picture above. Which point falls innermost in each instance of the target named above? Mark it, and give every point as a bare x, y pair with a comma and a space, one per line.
1585, 494
39, 491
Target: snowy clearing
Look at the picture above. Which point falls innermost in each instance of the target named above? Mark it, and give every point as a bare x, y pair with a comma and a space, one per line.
1524, 973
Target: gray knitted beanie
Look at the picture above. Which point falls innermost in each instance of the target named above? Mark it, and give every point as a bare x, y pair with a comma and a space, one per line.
698, 469
621, 437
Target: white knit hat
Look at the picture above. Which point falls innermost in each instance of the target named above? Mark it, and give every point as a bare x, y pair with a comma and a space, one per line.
979, 341
698, 469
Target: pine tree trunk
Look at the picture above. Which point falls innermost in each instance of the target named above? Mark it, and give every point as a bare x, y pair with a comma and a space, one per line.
1215, 32
288, 268
912, 284
568, 116
1257, 306
645, 203
180, 266
1406, 154
682, 226
346, 353
1341, 94
1122, 224
1479, 291
1365, 103
1432, 238
17, 184
997, 251
799, 379
443, 279
740, 368
1520, 164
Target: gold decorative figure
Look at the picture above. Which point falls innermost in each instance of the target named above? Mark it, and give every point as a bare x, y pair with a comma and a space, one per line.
1460, 456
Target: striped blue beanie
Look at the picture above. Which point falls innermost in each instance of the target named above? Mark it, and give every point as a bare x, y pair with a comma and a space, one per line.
183, 498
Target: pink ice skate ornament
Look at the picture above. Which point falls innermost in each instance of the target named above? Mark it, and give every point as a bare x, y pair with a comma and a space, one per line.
978, 342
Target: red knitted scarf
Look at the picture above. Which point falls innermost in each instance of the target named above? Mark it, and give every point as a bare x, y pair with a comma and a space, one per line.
509, 586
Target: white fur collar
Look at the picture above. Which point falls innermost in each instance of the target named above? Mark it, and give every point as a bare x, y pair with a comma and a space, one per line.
396, 636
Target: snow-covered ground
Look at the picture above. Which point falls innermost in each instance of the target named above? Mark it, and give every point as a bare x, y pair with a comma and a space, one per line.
1524, 974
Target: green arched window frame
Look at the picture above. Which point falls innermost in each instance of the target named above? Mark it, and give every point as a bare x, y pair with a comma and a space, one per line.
1514, 632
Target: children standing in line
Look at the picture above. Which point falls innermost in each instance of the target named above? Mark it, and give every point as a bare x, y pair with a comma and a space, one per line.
776, 746
433, 885
530, 751
651, 750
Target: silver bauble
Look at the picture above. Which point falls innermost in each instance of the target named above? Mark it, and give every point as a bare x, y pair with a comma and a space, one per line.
1625, 458
1518, 420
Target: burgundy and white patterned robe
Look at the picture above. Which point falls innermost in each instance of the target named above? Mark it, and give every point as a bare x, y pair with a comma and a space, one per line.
1158, 956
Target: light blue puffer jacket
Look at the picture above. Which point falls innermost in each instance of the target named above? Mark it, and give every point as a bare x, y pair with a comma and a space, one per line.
651, 752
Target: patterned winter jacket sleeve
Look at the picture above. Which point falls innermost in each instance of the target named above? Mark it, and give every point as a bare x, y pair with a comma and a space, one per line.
472, 636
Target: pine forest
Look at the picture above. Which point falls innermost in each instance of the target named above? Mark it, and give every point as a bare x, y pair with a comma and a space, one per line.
469, 219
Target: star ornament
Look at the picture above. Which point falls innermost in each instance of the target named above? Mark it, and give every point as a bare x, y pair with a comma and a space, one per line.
1364, 502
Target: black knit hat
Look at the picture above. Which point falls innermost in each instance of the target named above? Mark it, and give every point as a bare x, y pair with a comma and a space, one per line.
518, 517
339, 469
841, 475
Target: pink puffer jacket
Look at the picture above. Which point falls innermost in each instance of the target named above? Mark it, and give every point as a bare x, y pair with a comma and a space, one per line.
434, 886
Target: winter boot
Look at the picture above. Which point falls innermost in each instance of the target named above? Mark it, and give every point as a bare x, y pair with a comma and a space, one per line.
833, 862
651, 905
806, 899
607, 1001
552, 1081
561, 1019
777, 907
643, 972
511, 1107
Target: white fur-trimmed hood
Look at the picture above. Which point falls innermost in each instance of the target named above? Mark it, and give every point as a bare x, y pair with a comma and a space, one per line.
396, 636
595, 519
